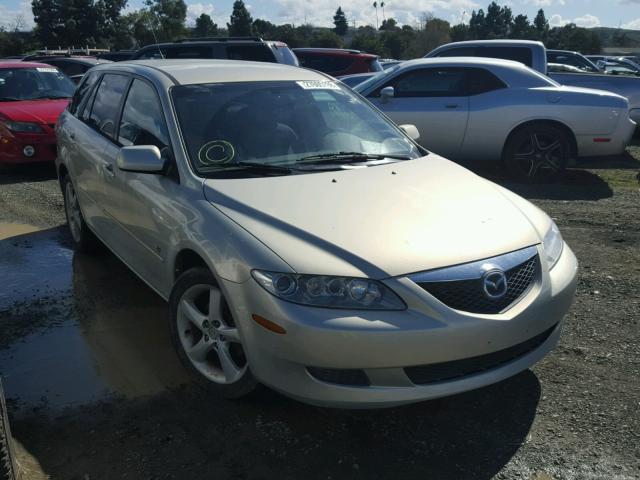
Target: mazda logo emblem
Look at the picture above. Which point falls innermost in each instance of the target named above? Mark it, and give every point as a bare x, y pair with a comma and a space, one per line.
494, 284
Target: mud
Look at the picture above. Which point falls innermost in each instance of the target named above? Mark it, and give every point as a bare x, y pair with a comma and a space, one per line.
96, 392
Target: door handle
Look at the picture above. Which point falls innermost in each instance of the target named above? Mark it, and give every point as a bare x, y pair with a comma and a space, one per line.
452, 105
108, 167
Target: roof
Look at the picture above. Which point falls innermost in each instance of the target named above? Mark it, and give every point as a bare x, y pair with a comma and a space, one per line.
190, 71
462, 61
471, 43
334, 51
24, 65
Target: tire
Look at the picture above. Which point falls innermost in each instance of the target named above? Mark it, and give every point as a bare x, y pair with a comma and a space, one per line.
208, 342
537, 153
82, 237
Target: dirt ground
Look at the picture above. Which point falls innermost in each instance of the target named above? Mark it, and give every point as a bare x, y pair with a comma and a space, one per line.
96, 392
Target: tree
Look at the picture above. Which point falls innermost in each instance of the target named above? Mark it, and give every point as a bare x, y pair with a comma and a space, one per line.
327, 39
521, 28
169, 16
265, 29
340, 22
434, 34
389, 24
367, 40
205, 27
541, 26
498, 21
459, 33
240, 24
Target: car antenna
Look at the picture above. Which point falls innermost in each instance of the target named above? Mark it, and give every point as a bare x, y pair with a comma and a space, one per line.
155, 38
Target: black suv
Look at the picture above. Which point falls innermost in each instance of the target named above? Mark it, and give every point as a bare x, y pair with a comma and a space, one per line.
230, 48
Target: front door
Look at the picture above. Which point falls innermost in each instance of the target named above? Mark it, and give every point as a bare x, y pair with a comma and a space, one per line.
433, 100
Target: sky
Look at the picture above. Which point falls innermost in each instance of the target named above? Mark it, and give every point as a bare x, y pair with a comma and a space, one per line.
585, 13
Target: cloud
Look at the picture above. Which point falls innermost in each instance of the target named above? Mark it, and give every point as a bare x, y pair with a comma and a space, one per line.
404, 11
545, 3
633, 24
8, 15
587, 21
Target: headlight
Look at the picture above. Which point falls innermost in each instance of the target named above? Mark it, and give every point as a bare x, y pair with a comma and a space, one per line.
330, 292
23, 127
552, 244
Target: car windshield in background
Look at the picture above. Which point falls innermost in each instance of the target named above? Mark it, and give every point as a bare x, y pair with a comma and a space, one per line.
34, 83
283, 126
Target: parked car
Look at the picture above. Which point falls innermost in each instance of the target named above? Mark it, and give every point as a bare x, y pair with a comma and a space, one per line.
243, 194
559, 67
534, 55
117, 56
573, 59
491, 109
358, 78
602, 62
337, 61
73, 66
32, 96
231, 48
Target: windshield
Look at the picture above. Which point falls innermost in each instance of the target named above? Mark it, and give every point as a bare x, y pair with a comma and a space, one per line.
282, 124
361, 87
34, 83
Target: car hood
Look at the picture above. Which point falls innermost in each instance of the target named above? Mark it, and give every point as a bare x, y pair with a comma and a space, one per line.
376, 222
36, 111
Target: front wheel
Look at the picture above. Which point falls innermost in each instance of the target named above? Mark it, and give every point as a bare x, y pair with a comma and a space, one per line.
537, 153
206, 336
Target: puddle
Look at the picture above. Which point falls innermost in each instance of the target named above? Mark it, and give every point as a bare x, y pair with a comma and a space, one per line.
8, 230
76, 328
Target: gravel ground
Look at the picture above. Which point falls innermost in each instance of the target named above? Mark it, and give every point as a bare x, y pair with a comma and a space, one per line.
574, 415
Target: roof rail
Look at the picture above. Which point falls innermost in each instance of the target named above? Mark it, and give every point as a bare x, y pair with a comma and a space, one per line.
218, 39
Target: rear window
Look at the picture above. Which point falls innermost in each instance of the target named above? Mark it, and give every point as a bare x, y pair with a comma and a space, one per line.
189, 52
518, 54
325, 63
256, 53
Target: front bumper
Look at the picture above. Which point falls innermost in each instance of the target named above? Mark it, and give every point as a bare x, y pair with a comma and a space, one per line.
12, 147
385, 343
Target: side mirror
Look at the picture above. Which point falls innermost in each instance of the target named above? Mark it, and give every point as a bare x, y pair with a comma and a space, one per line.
387, 93
411, 131
141, 159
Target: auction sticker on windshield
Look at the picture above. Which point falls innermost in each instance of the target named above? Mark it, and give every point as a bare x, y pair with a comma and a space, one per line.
318, 85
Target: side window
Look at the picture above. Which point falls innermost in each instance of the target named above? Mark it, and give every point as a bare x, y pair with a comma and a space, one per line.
82, 93
188, 51
142, 118
430, 82
459, 52
152, 53
479, 80
106, 105
518, 54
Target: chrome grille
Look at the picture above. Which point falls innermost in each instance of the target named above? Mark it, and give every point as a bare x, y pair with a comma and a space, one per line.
467, 294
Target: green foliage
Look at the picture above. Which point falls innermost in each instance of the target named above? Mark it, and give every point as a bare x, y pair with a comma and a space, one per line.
367, 40
571, 37
340, 22
204, 27
326, 39
389, 24
521, 28
541, 26
240, 24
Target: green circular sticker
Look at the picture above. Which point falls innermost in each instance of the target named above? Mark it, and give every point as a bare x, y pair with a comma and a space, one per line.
216, 152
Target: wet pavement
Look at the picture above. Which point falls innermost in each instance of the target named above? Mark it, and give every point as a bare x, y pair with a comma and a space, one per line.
81, 328
95, 390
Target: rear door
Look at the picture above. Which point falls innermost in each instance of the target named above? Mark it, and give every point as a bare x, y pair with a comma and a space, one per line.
434, 100
97, 150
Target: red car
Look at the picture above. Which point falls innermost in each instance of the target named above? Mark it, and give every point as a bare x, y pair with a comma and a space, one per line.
337, 61
32, 96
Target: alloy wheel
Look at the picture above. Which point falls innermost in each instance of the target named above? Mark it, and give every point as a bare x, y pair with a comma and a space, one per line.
540, 153
74, 217
209, 336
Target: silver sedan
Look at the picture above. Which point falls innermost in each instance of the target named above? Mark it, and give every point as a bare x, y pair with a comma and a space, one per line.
303, 240
489, 109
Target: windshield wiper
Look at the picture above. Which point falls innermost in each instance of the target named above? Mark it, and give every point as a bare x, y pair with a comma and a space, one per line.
350, 157
50, 97
265, 167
